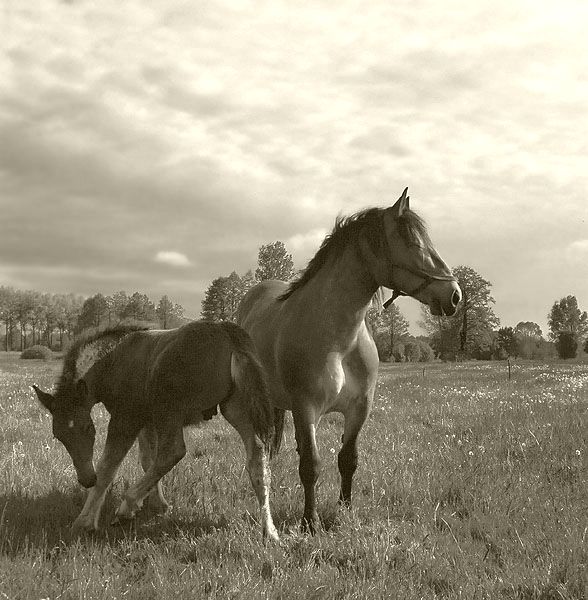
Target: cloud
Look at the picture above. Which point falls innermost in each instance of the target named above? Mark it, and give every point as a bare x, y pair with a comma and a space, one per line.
218, 128
577, 252
175, 259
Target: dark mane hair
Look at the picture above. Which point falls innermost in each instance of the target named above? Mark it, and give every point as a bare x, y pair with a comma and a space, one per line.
68, 373
347, 230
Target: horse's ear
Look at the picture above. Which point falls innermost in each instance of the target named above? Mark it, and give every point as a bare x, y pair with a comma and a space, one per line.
401, 204
46, 399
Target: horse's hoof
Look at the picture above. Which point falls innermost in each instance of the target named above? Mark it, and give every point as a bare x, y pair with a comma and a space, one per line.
82, 527
157, 505
271, 535
310, 525
125, 513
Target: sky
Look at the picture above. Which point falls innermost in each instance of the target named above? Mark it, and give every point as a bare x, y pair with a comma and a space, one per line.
153, 146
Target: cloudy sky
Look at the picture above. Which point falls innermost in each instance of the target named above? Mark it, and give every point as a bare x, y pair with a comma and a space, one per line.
152, 146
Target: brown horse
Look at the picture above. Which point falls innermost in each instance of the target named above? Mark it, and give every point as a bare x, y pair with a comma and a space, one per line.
312, 337
154, 383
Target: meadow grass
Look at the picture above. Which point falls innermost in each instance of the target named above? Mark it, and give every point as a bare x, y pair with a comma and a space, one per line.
470, 485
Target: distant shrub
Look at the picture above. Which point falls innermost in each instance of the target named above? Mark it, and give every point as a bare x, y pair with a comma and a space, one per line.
398, 353
41, 352
566, 345
418, 351
427, 353
412, 352
382, 340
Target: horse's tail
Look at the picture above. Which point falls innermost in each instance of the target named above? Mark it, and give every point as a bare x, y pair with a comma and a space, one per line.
279, 414
250, 381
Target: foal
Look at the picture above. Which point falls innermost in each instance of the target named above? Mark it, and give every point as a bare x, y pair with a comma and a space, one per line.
153, 383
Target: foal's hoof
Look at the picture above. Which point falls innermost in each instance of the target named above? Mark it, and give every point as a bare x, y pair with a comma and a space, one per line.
271, 535
124, 513
157, 505
82, 526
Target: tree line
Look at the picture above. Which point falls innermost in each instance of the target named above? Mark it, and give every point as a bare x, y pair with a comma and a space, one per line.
35, 318
31, 317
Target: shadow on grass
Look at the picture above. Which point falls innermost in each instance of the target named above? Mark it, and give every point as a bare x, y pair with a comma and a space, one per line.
29, 522
43, 522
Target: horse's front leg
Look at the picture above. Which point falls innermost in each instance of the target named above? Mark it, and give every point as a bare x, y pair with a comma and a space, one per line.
347, 459
119, 440
147, 452
170, 450
309, 466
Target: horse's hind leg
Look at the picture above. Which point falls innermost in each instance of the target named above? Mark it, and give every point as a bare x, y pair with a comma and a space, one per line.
147, 451
257, 460
170, 450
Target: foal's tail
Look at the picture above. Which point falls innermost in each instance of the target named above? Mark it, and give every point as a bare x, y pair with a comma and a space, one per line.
249, 378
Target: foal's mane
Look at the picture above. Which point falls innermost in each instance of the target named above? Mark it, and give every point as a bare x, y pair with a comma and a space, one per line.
69, 372
348, 230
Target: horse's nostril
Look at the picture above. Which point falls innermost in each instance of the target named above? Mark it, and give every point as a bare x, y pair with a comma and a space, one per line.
455, 298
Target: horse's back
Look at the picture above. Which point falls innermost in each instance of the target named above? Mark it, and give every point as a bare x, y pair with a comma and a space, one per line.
260, 302
188, 368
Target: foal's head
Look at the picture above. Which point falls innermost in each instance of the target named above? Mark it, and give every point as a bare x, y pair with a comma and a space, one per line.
402, 257
73, 426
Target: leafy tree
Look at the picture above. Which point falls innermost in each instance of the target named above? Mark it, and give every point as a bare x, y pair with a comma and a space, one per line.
566, 344
388, 328
139, 308
94, 312
25, 304
566, 316
118, 304
469, 331
274, 262
68, 308
507, 341
248, 281
170, 315
8, 298
223, 296
530, 342
528, 329
214, 304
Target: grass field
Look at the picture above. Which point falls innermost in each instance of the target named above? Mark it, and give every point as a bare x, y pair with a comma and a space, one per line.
469, 486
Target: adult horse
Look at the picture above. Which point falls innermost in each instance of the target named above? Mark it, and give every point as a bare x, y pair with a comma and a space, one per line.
312, 337
154, 383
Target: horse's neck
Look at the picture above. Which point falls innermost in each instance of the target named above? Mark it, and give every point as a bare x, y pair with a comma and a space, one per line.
339, 296
92, 357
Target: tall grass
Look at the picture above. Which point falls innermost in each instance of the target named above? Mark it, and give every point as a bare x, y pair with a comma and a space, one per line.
469, 486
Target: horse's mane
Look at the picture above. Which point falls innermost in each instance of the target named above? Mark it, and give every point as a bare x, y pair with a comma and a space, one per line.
69, 372
347, 231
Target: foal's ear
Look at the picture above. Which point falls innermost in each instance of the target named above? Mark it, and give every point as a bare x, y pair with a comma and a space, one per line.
401, 204
47, 400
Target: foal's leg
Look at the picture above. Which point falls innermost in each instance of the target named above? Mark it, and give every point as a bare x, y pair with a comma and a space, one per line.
119, 440
170, 450
309, 466
147, 452
347, 459
257, 460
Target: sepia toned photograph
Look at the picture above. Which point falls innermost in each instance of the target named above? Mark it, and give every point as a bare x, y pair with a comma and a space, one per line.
293, 300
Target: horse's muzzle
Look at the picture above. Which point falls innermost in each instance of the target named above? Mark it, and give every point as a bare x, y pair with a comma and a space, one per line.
86, 475
446, 307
